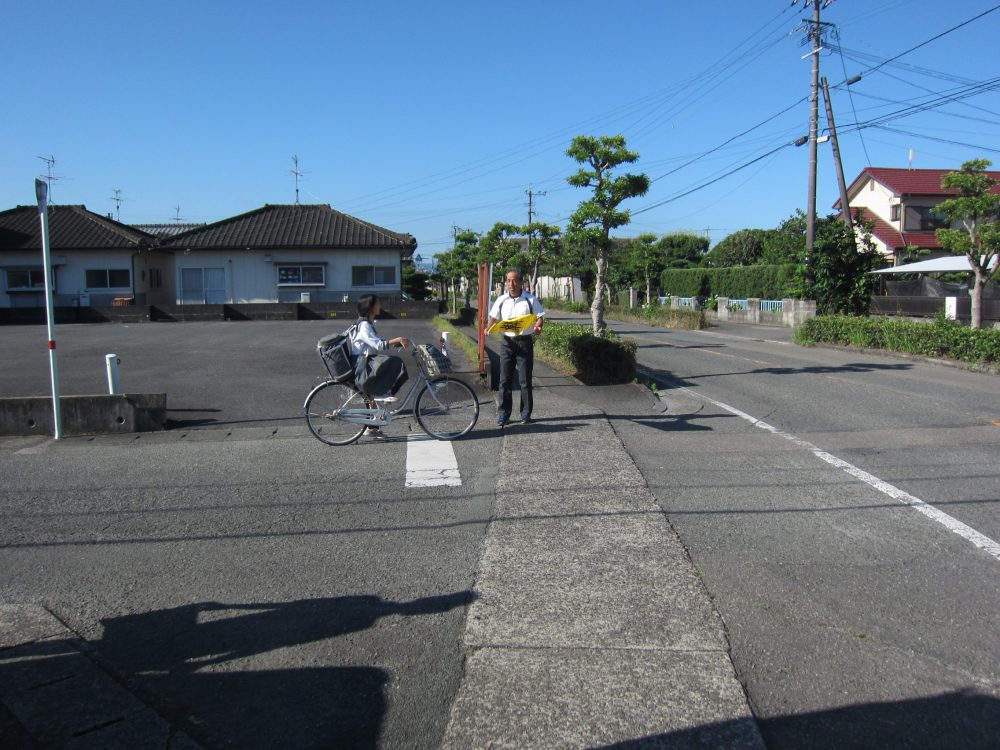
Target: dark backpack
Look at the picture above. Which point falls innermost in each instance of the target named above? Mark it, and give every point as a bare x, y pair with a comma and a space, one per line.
337, 354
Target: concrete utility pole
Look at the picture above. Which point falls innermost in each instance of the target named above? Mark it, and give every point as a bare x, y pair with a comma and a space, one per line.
814, 38
845, 207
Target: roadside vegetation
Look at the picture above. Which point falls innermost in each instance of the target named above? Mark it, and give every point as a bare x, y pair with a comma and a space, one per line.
654, 314
942, 338
594, 360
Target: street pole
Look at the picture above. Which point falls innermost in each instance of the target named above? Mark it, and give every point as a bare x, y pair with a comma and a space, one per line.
845, 207
42, 194
815, 37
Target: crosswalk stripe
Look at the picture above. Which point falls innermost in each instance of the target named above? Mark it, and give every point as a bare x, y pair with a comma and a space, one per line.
430, 463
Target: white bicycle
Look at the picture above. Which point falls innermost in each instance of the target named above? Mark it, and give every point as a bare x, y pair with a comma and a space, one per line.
446, 408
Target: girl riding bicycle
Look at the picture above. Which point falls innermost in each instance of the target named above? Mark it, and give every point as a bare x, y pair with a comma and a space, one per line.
379, 376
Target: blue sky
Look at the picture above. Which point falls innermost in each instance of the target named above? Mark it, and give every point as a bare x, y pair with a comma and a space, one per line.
421, 117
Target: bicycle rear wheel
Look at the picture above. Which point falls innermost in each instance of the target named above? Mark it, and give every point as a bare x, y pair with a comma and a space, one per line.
324, 409
447, 408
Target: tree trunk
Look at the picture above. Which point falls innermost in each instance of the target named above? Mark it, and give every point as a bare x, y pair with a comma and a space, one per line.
534, 278
649, 291
597, 307
977, 294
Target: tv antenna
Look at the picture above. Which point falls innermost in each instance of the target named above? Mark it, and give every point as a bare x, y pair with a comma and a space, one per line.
117, 198
48, 176
177, 215
298, 173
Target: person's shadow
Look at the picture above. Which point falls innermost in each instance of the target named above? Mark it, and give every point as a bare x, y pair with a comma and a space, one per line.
173, 659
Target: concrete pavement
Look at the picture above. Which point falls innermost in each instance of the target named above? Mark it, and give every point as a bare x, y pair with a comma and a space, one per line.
591, 627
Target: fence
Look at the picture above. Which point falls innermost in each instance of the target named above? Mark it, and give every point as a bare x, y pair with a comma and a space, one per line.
928, 307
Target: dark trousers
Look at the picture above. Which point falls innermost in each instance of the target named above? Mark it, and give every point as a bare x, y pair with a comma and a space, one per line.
517, 354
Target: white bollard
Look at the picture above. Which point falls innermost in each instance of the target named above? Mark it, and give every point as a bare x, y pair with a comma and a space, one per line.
445, 335
111, 362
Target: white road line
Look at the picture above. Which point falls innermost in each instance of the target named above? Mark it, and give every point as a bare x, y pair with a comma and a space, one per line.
952, 524
430, 463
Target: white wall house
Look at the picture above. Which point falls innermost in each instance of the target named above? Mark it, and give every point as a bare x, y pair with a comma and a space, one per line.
287, 253
95, 260
272, 254
901, 204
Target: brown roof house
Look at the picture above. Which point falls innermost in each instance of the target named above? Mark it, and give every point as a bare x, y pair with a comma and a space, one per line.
901, 204
287, 253
95, 260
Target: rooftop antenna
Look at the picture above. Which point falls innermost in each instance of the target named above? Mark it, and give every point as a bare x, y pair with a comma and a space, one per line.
298, 173
49, 177
117, 198
177, 215
913, 155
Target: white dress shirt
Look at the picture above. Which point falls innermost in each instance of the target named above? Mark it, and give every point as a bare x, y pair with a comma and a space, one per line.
506, 307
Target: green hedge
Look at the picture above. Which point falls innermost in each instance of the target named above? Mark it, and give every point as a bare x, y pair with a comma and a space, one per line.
595, 361
939, 339
740, 282
656, 315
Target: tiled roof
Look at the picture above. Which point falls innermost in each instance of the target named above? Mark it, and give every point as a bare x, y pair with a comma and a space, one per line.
165, 230
894, 239
70, 228
276, 227
909, 181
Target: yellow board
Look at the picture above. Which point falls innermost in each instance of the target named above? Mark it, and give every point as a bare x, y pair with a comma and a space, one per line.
513, 325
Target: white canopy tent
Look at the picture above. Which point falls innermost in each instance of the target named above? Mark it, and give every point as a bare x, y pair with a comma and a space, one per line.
947, 264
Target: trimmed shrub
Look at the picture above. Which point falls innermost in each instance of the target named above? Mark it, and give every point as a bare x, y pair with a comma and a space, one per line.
600, 361
939, 339
595, 361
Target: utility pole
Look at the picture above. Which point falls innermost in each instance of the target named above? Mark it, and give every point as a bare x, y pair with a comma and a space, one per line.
845, 207
814, 38
531, 195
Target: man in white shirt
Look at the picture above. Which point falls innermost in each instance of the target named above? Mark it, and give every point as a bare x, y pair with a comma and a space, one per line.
517, 351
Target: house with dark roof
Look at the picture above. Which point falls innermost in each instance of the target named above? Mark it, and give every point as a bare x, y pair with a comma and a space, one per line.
901, 204
287, 253
95, 260
276, 253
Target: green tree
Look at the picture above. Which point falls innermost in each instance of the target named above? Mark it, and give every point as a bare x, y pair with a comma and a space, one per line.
742, 248
500, 246
414, 282
543, 247
460, 263
978, 239
591, 224
843, 259
683, 250
646, 261
786, 243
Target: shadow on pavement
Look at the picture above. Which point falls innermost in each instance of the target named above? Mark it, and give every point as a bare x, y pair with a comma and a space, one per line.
173, 658
954, 721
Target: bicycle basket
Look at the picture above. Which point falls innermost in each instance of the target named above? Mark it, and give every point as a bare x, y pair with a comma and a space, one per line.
433, 360
335, 351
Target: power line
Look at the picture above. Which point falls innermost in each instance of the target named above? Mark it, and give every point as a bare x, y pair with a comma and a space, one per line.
711, 182
933, 39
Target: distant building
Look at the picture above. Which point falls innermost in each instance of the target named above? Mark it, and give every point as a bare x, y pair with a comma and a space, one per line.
901, 204
276, 253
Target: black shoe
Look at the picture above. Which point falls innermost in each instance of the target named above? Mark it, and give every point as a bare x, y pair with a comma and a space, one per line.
526, 420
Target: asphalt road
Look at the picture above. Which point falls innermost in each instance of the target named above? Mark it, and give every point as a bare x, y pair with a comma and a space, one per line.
256, 587
851, 615
212, 565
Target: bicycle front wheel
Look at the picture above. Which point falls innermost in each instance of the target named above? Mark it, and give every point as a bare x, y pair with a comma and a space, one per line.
325, 410
447, 408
